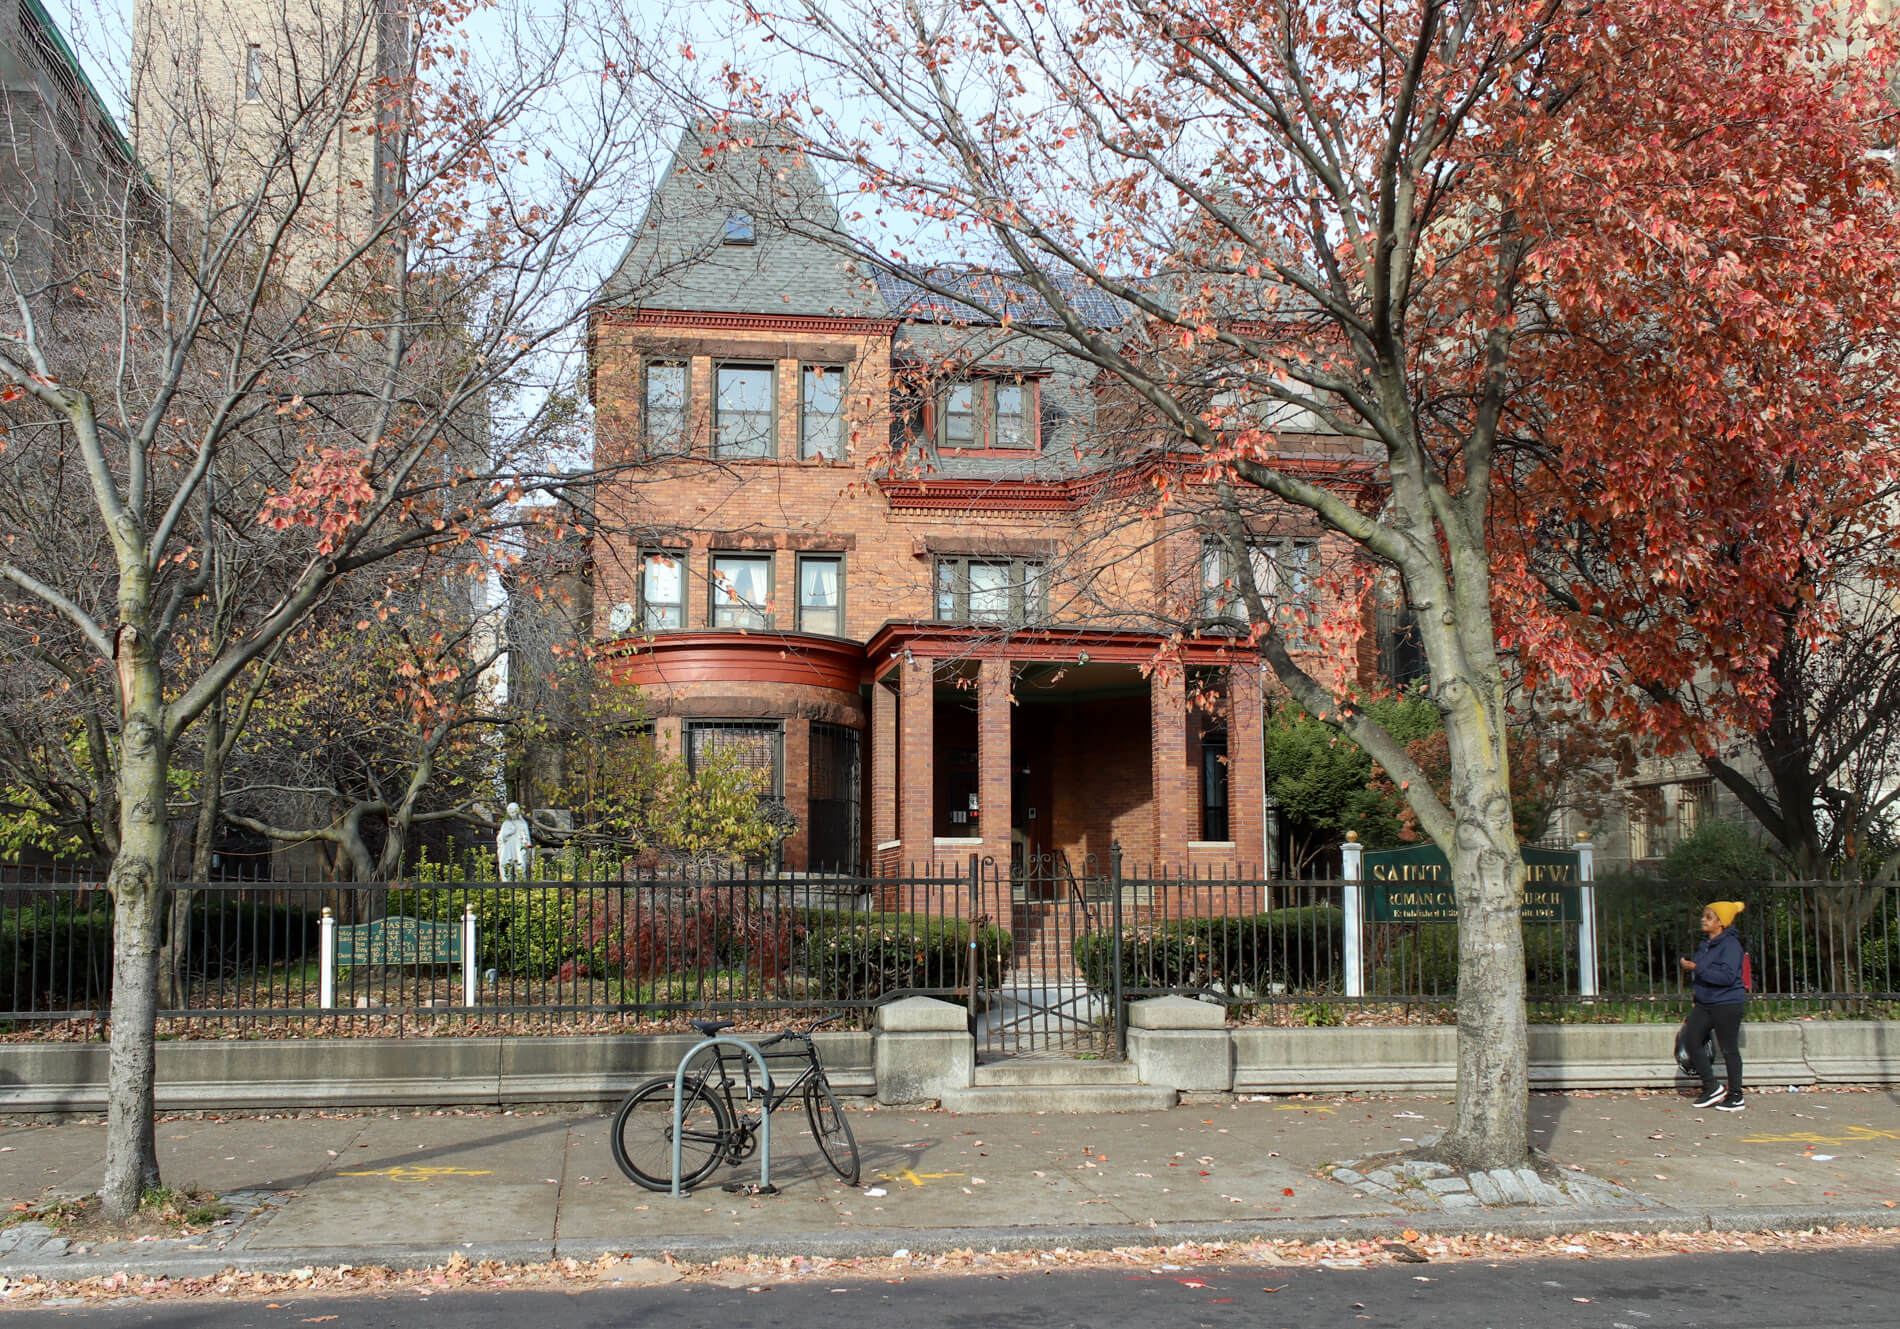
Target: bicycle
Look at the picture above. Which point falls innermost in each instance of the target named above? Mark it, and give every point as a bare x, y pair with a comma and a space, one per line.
715, 1126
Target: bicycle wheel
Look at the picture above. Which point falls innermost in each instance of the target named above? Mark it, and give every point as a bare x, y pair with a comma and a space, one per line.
831, 1130
642, 1135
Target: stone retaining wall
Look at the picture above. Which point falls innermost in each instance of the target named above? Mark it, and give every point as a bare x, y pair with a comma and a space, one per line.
916, 1053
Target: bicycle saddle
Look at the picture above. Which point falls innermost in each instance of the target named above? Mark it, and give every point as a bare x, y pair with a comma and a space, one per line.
711, 1027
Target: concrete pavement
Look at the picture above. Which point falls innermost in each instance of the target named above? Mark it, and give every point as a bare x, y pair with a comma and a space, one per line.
409, 1189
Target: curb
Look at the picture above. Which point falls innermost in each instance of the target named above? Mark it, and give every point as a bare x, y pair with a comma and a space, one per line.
855, 1245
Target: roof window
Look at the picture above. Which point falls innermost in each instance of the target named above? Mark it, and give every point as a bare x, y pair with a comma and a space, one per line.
739, 228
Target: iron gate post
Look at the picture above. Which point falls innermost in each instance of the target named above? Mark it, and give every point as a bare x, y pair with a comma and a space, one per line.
1115, 948
976, 932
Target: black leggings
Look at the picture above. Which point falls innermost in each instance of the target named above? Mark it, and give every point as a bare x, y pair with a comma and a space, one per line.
1726, 1020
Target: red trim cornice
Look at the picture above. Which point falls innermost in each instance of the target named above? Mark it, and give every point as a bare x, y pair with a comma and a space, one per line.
732, 322
672, 659
939, 493
944, 641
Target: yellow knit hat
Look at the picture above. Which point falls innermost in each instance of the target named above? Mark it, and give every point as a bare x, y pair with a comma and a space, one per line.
1726, 910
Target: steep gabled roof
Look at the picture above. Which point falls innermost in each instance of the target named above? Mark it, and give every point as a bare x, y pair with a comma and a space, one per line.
679, 257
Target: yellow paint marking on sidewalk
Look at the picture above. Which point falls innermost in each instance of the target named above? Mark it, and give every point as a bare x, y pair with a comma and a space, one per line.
1855, 1135
403, 1172
919, 1178
1303, 1107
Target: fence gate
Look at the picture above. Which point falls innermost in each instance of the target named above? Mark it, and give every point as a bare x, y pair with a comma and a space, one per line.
1065, 930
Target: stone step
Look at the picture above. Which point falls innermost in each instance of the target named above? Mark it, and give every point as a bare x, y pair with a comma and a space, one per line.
1053, 1072
1067, 1098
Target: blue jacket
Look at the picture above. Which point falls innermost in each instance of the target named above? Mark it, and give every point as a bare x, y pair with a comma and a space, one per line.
1718, 970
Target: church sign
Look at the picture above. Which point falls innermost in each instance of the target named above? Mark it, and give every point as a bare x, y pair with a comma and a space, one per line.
399, 941
1414, 885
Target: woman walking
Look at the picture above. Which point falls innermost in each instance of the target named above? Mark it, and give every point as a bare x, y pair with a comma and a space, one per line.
1720, 997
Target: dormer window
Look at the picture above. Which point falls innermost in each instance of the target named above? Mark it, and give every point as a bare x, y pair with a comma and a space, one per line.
739, 228
987, 414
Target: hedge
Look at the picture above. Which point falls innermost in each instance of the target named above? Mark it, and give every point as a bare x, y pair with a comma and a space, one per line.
527, 931
56, 954
851, 958
1302, 949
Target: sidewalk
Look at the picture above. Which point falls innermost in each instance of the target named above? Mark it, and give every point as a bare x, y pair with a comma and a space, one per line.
407, 1191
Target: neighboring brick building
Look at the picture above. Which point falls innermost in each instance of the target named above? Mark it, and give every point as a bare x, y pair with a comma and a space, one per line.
896, 559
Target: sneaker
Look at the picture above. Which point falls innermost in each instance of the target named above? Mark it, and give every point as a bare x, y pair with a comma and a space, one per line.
1733, 1103
1712, 1097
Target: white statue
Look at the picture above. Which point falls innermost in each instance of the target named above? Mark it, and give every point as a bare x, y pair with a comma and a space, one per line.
513, 843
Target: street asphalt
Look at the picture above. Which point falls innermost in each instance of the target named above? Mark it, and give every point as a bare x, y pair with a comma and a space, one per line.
407, 1189
1841, 1289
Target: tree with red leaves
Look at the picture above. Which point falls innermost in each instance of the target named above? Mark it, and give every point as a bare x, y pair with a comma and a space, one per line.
1604, 289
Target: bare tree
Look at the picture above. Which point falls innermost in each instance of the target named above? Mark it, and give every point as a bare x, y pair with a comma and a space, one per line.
317, 350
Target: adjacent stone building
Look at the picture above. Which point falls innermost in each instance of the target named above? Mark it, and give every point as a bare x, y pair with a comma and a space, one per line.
63, 161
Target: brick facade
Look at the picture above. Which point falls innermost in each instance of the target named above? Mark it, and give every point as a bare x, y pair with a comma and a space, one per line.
1070, 734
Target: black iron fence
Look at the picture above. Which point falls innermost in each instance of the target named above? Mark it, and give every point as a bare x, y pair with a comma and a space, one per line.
310, 957
1815, 947
301, 957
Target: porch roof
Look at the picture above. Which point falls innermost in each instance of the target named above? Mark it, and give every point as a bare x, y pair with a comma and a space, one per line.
1078, 644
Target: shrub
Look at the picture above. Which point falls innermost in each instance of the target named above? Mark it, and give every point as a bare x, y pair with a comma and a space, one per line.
57, 952
1301, 948
527, 931
1423, 960
1717, 851
648, 935
851, 958
227, 935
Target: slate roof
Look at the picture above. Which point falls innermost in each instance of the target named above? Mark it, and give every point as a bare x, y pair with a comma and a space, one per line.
1002, 292
677, 258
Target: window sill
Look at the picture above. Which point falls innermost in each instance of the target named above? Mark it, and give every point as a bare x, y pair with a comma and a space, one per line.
1211, 844
814, 462
955, 841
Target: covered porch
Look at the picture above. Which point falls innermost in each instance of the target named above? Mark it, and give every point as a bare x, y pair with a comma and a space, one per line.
1043, 750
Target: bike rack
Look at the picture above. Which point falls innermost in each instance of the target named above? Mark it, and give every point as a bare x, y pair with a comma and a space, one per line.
765, 1113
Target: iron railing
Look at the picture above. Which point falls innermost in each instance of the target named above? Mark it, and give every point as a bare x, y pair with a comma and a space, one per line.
547, 954
247, 956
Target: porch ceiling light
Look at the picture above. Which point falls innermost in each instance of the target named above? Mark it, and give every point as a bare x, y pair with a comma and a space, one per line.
1083, 658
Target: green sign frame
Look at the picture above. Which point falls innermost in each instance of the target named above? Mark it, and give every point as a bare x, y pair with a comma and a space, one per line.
1414, 886
398, 941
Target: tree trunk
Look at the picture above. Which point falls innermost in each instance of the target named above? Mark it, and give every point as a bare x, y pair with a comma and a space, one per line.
174, 961
137, 883
1491, 1126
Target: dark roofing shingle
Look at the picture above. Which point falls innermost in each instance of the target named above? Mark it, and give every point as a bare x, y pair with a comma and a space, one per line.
991, 294
679, 257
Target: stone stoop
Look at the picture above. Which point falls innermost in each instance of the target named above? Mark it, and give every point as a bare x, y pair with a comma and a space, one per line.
1052, 1085
1052, 1073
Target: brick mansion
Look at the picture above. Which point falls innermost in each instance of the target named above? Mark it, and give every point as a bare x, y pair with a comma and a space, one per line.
912, 562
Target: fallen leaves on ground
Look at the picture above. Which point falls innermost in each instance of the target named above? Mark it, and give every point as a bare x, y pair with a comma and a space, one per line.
461, 1273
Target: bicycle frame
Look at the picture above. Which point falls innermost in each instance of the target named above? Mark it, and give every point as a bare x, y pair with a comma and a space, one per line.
774, 1096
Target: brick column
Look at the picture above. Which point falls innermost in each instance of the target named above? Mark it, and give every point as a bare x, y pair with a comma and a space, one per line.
1246, 768
993, 755
797, 850
1172, 780
786, 427
699, 397
881, 766
669, 737
917, 761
